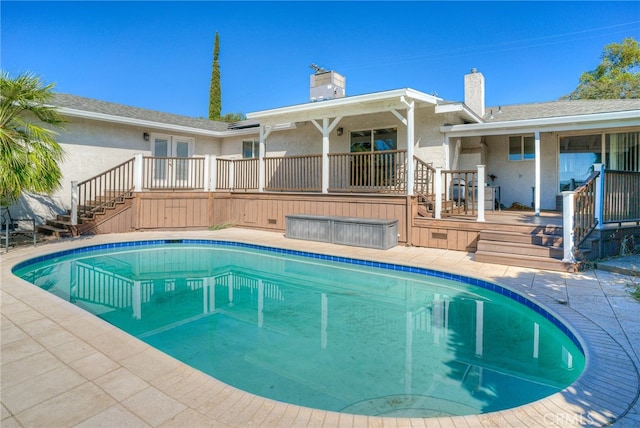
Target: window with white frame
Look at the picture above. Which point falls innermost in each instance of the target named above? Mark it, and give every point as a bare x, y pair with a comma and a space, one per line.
521, 148
251, 148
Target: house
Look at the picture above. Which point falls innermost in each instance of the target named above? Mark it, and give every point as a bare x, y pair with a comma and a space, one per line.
397, 154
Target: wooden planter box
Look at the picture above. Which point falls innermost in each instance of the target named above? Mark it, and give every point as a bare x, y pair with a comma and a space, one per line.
359, 232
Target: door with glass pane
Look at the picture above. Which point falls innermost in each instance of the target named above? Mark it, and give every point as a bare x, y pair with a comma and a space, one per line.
171, 163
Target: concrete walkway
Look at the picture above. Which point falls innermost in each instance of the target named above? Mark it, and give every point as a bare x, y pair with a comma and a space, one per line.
62, 367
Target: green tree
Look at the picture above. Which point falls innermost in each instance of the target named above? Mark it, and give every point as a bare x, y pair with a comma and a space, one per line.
215, 92
233, 117
29, 154
617, 76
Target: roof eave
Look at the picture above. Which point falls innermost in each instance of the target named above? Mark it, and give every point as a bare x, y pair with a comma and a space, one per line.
462, 109
560, 123
103, 117
328, 107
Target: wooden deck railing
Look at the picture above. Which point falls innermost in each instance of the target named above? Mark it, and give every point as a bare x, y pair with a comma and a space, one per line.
106, 189
172, 173
621, 202
293, 173
246, 174
585, 217
223, 174
460, 188
368, 172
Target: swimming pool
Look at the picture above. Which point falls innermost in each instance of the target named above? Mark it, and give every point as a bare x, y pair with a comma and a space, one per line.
401, 342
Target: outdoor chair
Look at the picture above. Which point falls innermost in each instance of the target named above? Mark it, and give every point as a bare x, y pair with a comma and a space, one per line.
12, 228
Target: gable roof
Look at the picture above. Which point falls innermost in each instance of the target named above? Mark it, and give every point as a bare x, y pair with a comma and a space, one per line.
557, 109
75, 106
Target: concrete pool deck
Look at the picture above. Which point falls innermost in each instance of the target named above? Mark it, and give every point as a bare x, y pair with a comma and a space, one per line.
62, 367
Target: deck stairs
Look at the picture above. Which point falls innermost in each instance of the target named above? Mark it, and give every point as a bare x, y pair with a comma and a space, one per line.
538, 247
426, 206
89, 216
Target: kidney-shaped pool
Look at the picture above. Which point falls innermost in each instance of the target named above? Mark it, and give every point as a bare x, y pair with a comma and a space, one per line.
320, 331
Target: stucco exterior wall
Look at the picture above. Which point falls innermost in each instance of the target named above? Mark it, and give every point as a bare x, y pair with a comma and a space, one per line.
517, 178
306, 139
91, 148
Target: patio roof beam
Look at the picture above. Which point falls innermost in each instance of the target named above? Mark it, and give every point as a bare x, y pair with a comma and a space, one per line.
399, 116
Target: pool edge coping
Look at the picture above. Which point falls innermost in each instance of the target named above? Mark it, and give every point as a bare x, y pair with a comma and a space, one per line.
587, 400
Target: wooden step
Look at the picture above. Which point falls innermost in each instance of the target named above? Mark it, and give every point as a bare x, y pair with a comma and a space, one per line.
47, 229
520, 248
507, 259
550, 240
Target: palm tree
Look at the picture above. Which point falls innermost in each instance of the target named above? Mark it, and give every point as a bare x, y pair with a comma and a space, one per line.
29, 154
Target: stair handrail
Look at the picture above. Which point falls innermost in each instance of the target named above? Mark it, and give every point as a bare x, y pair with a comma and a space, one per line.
92, 193
584, 214
424, 183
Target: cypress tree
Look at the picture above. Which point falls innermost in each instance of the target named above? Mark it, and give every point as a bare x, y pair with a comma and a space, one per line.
215, 92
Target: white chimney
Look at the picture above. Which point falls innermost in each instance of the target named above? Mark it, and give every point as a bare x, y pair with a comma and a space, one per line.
326, 85
474, 91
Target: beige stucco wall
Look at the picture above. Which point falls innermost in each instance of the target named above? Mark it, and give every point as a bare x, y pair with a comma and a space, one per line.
516, 178
91, 148
307, 139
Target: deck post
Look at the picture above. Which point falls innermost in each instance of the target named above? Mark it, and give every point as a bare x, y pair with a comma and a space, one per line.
437, 193
138, 166
211, 165
536, 200
232, 175
599, 190
567, 226
481, 190
74, 203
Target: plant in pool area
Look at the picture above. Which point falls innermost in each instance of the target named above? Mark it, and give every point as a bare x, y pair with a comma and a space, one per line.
223, 225
635, 291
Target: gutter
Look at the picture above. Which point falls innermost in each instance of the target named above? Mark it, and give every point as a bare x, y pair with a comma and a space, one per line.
560, 123
103, 117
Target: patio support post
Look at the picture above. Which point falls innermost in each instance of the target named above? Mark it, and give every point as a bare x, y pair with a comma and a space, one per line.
326, 129
481, 190
599, 190
74, 203
264, 133
410, 143
567, 226
537, 166
325, 155
138, 166
437, 193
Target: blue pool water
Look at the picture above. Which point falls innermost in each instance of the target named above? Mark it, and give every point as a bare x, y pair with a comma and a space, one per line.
319, 331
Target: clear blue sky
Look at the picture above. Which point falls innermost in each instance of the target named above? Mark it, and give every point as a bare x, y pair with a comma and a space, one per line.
158, 55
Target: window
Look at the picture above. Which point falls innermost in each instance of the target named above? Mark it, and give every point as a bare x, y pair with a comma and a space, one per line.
374, 140
623, 151
250, 149
373, 162
521, 148
578, 153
